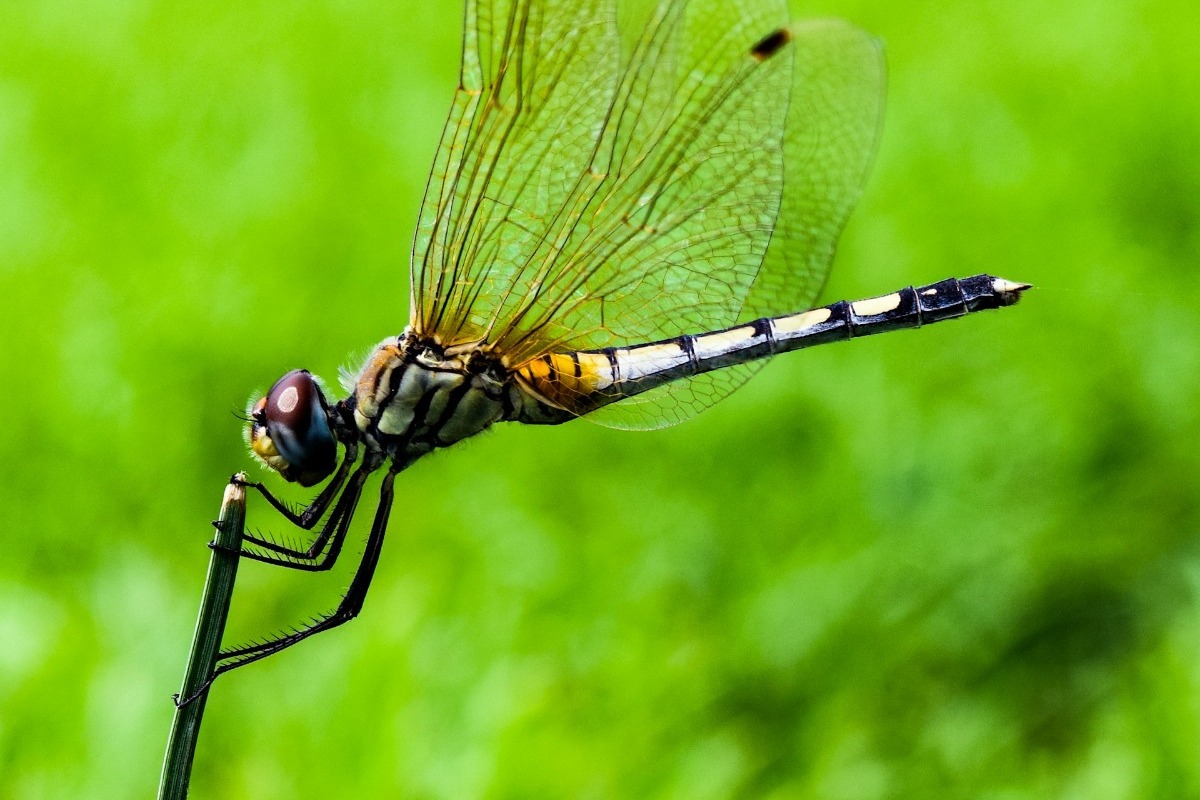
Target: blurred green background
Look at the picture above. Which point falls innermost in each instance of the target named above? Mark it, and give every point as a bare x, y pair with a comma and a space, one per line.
961, 562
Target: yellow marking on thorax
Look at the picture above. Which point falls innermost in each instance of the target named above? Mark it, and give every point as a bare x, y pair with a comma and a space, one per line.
561, 380
799, 322
876, 305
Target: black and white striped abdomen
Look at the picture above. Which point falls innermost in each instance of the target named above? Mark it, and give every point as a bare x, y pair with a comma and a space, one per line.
583, 381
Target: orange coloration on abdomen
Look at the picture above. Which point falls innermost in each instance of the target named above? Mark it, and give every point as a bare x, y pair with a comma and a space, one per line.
565, 379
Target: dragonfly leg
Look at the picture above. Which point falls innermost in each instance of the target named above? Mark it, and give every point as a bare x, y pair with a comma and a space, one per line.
306, 519
310, 515
346, 610
333, 534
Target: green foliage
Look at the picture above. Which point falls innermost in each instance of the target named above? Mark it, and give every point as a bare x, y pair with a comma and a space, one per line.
957, 562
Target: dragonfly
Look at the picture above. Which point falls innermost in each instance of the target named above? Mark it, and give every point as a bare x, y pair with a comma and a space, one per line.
632, 208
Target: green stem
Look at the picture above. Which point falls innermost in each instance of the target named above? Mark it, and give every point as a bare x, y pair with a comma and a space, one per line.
206, 644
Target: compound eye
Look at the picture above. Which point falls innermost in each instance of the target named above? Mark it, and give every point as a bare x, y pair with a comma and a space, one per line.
290, 430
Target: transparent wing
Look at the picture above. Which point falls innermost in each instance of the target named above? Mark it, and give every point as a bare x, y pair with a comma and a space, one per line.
835, 115
537, 79
595, 191
591, 191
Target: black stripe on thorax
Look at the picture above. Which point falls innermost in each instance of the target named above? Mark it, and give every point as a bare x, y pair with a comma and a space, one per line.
394, 381
452, 403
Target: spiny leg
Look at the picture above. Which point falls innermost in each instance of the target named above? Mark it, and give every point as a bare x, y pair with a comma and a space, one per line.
307, 518
333, 533
347, 609
310, 515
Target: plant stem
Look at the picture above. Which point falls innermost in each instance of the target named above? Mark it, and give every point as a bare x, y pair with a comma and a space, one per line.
206, 643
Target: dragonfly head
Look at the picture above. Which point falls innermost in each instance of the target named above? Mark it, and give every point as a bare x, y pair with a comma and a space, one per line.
289, 430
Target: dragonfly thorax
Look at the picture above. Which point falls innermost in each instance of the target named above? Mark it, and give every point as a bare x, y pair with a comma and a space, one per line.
413, 395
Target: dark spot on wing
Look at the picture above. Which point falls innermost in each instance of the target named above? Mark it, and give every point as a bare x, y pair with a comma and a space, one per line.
771, 44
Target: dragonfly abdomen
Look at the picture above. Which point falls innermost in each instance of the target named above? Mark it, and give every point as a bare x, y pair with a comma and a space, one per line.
910, 307
580, 382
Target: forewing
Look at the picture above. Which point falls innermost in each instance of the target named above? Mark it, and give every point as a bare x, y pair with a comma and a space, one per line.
591, 192
536, 83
